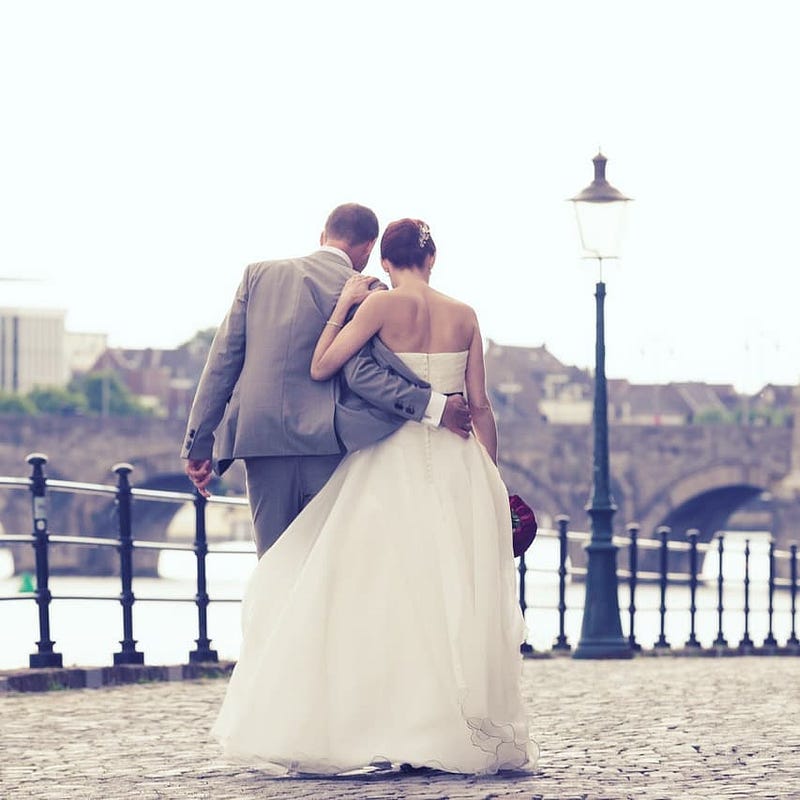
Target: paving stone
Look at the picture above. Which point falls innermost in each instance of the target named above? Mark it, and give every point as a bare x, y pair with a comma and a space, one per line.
650, 729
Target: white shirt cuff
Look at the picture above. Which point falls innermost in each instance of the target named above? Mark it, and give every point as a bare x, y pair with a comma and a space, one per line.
435, 410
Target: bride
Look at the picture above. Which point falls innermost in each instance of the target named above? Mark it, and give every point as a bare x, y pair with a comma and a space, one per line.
383, 626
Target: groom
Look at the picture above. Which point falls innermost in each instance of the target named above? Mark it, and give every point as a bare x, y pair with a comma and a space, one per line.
256, 400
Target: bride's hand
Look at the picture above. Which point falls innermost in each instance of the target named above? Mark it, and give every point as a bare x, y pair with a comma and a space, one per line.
354, 291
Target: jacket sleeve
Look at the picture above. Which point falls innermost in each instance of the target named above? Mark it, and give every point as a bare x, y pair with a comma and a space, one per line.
378, 376
218, 379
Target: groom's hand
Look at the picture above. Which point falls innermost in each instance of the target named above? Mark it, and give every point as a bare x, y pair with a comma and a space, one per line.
199, 472
456, 416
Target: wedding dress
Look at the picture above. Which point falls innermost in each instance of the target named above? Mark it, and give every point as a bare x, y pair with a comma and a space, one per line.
383, 626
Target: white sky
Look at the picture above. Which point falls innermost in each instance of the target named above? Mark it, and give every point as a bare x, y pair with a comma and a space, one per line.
150, 150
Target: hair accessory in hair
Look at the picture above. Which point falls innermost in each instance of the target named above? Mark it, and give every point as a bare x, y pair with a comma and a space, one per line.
424, 234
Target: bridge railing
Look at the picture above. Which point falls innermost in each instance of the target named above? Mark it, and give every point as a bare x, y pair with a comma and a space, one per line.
122, 494
666, 581
630, 577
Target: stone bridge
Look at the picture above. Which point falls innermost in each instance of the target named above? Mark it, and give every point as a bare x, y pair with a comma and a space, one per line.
86, 450
695, 476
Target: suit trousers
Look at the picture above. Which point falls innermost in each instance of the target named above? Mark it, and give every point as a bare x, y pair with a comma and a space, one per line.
279, 487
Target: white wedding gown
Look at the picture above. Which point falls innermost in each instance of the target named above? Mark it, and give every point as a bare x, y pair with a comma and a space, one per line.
383, 626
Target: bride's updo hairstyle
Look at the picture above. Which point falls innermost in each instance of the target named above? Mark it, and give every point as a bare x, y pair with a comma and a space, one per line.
407, 242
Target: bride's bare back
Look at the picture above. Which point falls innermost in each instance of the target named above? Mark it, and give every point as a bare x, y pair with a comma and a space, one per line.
418, 319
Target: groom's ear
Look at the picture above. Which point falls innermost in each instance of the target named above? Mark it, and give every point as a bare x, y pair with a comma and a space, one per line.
359, 254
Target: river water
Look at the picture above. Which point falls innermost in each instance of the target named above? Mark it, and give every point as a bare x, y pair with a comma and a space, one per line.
87, 631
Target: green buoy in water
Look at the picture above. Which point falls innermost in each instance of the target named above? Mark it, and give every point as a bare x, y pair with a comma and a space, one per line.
26, 583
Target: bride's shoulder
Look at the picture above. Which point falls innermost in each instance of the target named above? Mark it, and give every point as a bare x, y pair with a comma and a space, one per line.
377, 298
457, 306
391, 298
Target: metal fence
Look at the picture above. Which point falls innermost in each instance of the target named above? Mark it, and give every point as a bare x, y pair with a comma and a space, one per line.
667, 581
631, 577
122, 494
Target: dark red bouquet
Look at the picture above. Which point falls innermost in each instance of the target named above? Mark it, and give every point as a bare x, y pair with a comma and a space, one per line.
523, 524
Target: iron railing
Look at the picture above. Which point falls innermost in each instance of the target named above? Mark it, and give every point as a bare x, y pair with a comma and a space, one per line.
123, 493
632, 576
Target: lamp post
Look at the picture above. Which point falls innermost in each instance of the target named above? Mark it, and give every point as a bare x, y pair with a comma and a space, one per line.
600, 211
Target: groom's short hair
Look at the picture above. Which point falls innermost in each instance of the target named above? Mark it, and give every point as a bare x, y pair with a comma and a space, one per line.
352, 223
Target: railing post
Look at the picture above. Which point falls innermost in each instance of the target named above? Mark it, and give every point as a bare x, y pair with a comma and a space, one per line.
129, 654
663, 533
45, 656
633, 567
746, 643
203, 651
561, 642
793, 642
692, 535
770, 641
525, 648
720, 641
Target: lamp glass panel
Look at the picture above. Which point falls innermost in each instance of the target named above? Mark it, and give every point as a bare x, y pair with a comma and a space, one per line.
600, 226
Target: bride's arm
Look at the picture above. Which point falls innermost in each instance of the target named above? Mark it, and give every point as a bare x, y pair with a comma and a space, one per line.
483, 422
340, 340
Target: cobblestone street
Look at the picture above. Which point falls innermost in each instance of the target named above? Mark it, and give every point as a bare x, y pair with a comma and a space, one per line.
648, 728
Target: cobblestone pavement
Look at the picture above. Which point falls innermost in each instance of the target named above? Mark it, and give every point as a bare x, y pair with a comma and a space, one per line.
648, 728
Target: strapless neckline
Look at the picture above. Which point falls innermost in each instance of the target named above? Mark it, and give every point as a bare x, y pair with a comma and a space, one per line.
443, 353
444, 371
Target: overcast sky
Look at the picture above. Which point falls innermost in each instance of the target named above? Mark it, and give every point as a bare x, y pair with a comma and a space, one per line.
150, 150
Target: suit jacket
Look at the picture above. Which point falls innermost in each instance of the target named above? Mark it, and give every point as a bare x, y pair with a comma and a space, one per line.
256, 396
365, 411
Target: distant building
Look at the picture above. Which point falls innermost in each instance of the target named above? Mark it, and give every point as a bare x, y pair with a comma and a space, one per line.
83, 350
646, 404
530, 382
32, 349
774, 396
525, 383
774, 405
164, 380
669, 403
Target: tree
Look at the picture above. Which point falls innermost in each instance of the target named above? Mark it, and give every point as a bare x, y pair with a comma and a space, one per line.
106, 394
16, 404
57, 401
200, 342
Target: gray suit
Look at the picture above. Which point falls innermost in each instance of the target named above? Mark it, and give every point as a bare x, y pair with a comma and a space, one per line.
256, 400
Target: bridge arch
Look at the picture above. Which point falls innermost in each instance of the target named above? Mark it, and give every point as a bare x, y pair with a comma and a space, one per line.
704, 499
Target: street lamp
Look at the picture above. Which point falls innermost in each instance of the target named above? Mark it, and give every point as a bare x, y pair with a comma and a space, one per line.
600, 212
